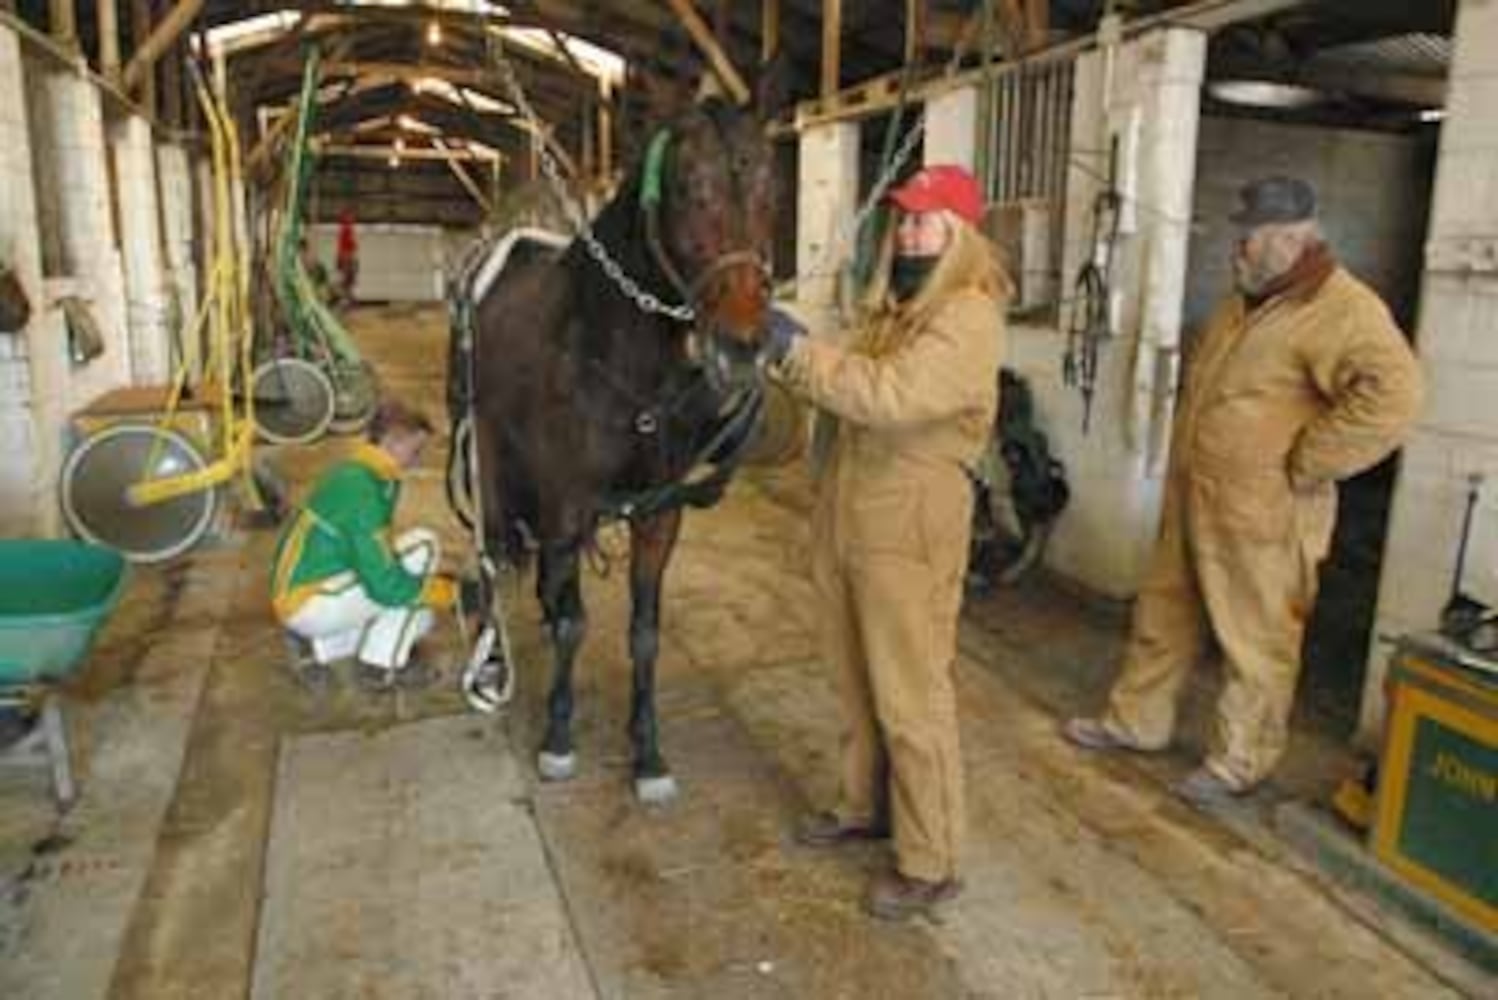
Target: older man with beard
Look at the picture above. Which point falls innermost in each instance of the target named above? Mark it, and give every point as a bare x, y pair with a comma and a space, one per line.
1299, 380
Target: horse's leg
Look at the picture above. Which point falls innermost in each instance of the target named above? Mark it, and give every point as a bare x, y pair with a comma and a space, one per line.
651, 542
560, 592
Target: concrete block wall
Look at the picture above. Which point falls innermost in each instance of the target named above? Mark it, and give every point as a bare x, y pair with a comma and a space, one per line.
396, 263
68, 134
174, 170
147, 313
1457, 339
952, 128
19, 247
1104, 539
1374, 190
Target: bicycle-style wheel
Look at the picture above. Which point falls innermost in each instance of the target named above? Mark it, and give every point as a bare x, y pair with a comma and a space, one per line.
356, 393
293, 401
98, 474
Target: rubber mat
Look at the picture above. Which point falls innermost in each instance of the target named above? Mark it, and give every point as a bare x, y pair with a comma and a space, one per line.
407, 864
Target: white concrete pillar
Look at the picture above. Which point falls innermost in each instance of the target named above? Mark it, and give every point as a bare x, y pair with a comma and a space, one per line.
85, 228
140, 237
1151, 108
1457, 339
202, 179
952, 128
828, 198
175, 172
20, 246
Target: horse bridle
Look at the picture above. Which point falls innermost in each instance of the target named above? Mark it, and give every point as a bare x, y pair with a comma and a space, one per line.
650, 203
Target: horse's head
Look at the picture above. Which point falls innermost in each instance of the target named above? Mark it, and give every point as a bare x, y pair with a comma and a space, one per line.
715, 223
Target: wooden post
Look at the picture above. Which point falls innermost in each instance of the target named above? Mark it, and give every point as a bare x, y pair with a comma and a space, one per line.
606, 133
171, 89
140, 30
64, 20
1037, 24
832, 38
915, 31
587, 155
109, 39
769, 29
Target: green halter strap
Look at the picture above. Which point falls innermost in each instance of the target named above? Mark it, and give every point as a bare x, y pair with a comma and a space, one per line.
655, 167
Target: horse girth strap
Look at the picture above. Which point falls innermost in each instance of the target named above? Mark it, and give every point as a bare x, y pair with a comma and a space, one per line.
688, 489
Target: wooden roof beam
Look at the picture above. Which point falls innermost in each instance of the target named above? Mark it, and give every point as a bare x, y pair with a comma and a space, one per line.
705, 40
160, 41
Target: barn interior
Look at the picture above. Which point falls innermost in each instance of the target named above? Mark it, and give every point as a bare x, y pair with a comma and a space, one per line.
183, 813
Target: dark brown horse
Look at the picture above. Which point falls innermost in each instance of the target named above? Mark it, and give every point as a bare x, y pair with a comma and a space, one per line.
590, 406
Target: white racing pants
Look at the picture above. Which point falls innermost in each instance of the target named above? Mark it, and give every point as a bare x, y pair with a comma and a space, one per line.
341, 620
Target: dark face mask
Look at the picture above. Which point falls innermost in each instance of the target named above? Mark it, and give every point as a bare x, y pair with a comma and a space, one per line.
908, 274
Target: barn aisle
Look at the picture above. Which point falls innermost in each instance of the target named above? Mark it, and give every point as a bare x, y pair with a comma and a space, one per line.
345, 844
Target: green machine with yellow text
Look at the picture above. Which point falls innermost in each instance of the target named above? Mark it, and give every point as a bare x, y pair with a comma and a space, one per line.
1436, 823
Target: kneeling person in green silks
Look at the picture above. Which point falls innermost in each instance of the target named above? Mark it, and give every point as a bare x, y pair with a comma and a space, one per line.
339, 581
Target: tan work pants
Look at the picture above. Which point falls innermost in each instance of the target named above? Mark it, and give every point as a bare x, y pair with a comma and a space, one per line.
1222, 569
890, 588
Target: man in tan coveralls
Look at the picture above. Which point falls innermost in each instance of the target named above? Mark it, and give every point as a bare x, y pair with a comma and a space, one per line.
1299, 380
914, 392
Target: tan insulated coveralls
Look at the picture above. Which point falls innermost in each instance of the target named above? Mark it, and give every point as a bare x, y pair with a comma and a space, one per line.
1314, 385
915, 394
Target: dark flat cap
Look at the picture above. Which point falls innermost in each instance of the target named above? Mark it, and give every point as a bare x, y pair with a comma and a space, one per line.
1271, 200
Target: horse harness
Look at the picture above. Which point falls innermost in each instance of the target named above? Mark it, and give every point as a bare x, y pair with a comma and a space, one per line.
712, 464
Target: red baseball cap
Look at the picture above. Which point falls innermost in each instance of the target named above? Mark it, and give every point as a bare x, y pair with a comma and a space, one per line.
945, 186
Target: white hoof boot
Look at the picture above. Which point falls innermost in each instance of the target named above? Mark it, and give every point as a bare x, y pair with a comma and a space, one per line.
656, 791
556, 766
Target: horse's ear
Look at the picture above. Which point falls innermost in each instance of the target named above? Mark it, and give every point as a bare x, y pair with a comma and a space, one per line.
772, 90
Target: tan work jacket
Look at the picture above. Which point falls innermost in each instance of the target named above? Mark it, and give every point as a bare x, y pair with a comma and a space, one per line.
914, 393
1282, 401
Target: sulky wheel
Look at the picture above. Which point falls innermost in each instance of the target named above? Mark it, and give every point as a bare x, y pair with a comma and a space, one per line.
99, 472
293, 401
356, 393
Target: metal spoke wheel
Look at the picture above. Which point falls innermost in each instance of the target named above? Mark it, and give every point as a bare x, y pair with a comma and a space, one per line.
293, 401
101, 469
356, 393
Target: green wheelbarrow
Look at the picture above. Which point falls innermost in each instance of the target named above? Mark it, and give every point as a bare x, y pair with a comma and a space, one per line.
54, 596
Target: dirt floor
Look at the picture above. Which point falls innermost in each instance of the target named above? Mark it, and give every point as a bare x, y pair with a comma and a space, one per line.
1084, 878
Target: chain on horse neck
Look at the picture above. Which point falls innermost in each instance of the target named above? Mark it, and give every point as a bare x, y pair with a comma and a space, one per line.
644, 300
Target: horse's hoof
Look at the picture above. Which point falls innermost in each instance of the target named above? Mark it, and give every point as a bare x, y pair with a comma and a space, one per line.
657, 791
556, 766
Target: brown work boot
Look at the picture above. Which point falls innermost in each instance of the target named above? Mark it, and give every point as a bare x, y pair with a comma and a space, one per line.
825, 829
1094, 734
894, 896
1204, 789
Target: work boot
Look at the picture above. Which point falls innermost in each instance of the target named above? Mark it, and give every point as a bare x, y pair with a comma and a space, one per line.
1203, 789
372, 676
309, 673
825, 829
415, 676
1094, 734
894, 896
